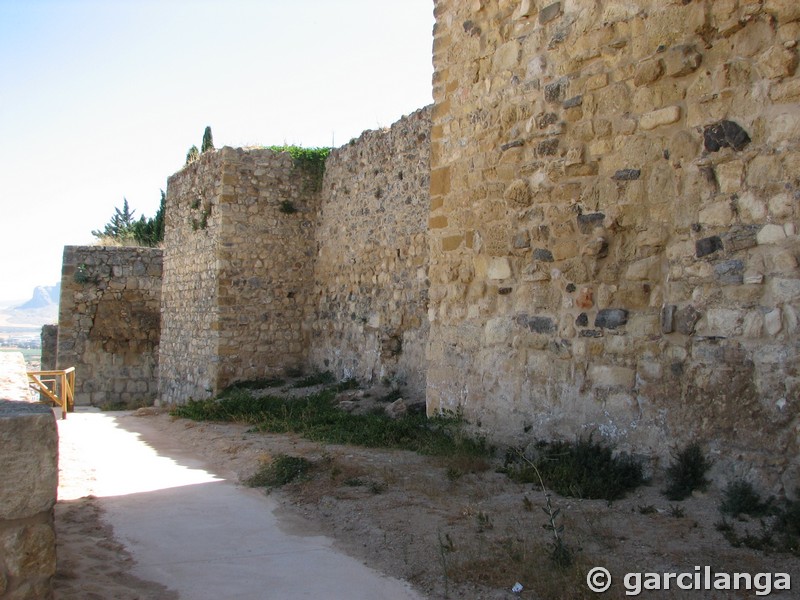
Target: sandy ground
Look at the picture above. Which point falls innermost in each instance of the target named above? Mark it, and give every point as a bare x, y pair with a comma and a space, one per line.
451, 530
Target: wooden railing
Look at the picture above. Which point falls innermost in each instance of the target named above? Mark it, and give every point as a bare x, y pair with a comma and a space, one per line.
56, 386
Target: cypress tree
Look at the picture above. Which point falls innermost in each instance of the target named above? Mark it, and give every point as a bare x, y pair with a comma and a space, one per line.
208, 141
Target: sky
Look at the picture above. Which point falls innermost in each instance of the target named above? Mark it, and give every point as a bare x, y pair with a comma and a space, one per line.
101, 99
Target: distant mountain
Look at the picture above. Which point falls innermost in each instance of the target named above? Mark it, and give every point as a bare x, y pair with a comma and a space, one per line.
43, 297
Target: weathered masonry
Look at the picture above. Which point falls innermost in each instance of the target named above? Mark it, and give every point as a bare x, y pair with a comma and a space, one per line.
29, 468
369, 318
592, 231
268, 267
613, 225
108, 323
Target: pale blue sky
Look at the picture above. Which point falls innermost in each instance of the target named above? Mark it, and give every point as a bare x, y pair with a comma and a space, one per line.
101, 99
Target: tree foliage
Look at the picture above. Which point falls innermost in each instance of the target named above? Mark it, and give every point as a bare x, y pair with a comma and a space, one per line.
208, 141
124, 229
192, 155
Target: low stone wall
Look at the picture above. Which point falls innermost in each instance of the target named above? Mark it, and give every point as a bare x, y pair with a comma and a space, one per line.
109, 323
29, 471
371, 271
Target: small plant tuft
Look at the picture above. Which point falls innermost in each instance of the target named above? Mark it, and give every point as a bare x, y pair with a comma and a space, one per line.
687, 472
676, 511
282, 470
484, 521
287, 207
583, 469
310, 160
740, 498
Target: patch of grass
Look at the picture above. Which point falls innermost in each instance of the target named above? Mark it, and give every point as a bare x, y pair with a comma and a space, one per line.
676, 512
254, 384
281, 470
687, 472
779, 524
347, 384
648, 509
391, 396
323, 378
583, 469
117, 405
316, 417
520, 557
294, 372
740, 498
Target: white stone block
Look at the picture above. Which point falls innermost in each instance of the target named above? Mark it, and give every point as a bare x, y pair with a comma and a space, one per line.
611, 376
772, 321
499, 268
771, 234
662, 116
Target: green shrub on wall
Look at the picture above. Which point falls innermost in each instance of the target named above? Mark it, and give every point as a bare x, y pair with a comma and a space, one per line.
310, 160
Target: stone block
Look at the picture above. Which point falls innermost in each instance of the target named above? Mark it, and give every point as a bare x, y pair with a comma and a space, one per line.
452, 242
627, 175
28, 459
668, 318
437, 222
784, 11
550, 12
771, 234
29, 551
605, 376
556, 91
648, 71
772, 321
707, 246
784, 290
778, 62
729, 272
536, 324
440, 181
725, 134
586, 223
686, 319
718, 214
499, 268
682, 60
611, 318
646, 269
722, 322
506, 57
662, 116
740, 237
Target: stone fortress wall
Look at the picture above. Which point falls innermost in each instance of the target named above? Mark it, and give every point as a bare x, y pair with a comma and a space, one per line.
614, 220
369, 318
268, 267
238, 268
592, 231
109, 315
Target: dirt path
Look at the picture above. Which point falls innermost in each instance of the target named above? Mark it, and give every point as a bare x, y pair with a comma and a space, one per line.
163, 526
452, 530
